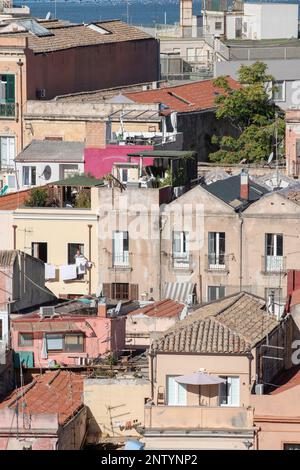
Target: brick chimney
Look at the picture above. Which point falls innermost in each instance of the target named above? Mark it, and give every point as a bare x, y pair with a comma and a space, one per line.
244, 191
102, 310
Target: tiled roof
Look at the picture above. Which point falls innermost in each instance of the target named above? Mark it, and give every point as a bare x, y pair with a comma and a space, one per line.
7, 258
14, 200
230, 326
195, 96
162, 308
70, 35
58, 392
52, 151
287, 379
229, 190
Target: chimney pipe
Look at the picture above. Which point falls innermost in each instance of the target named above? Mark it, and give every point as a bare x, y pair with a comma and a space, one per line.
244, 191
102, 310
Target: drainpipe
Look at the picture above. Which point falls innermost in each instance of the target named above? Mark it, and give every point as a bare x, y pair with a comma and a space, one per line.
90, 258
250, 359
152, 355
15, 237
20, 64
241, 251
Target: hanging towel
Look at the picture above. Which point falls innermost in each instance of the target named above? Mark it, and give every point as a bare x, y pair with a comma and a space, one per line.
50, 271
68, 272
81, 264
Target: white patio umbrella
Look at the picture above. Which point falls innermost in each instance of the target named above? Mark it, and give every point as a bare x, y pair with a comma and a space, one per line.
200, 378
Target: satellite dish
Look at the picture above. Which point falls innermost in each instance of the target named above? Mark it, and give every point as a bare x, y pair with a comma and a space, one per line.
48, 16
270, 157
47, 172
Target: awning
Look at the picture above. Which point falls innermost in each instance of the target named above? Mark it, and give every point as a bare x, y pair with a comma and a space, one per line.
200, 378
179, 291
45, 326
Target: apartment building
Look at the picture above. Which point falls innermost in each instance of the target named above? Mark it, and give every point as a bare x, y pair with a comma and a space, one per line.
203, 371
42, 59
292, 142
62, 232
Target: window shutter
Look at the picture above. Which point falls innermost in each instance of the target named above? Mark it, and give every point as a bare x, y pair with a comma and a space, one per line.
106, 290
133, 292
234, 391
10, 89
298, 148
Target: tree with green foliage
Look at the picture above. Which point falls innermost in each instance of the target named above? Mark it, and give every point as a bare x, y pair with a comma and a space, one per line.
38, 198
252, 113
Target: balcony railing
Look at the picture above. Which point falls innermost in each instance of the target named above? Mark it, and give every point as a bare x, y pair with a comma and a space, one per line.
181, 261
7, 110
198, 417
121, 260
216, 262
273, 264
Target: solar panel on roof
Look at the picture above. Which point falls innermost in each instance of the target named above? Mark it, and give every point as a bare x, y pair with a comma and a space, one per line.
35, 28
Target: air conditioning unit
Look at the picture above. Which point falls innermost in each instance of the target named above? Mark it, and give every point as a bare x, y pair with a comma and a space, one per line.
47, 312
41, 93
259, 389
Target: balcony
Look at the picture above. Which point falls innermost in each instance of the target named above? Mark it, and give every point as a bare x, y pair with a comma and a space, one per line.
198, 417
217, 263
121, 261
273, 264
8, 110
181, 261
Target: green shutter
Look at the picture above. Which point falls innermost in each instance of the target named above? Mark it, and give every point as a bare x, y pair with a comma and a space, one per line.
10, 89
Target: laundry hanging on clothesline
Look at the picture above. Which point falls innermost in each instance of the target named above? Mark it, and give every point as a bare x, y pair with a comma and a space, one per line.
68, 272
50, 272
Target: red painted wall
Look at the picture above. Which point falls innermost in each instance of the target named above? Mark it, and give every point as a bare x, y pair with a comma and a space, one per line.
99, 162
92, 67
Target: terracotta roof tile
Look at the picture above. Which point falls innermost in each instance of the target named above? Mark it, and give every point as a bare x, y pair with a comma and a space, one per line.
162, 308
78, 35
184, 98
58, 392
287, 379
233, 326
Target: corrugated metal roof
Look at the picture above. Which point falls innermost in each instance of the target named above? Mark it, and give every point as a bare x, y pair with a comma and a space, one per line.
7, 258
45, 326
78, 180
52, 151
162, 308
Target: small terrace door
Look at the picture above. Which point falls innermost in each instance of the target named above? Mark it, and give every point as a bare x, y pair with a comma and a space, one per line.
176, 392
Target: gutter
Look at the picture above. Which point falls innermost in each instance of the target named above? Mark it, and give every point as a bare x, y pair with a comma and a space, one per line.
241, 251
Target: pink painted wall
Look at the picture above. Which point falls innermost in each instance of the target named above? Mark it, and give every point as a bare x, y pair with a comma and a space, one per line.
277, 418
101, 335
292, 134
99, 162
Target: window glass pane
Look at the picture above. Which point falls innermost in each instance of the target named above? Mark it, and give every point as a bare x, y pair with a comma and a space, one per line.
54, 342
181, 394
33, 175
171, 390
73, 248
39, 250
25, 339
25, 176
176, 242
279, 245
74, 343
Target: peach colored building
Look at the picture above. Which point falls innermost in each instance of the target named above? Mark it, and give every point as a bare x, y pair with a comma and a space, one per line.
149, 321
292, 142
203, 371
277, 414
73, 334
50, 416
